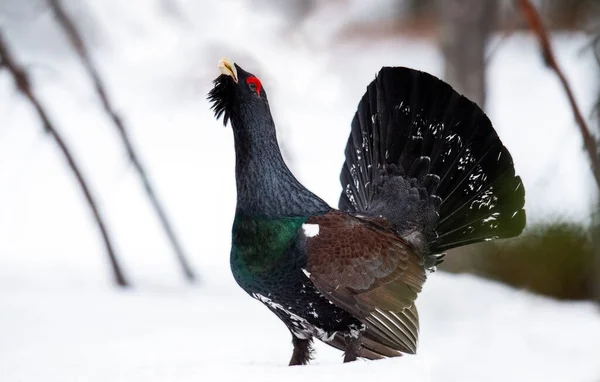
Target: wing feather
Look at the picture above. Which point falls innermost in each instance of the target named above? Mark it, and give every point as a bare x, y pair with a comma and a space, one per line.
366, 269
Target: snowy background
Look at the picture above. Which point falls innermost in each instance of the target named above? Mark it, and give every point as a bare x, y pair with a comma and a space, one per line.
62, 320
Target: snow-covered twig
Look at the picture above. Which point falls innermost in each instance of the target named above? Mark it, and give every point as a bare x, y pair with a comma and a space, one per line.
535, 24
79, 46
23, 85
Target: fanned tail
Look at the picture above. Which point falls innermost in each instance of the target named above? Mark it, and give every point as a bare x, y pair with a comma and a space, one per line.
429, 161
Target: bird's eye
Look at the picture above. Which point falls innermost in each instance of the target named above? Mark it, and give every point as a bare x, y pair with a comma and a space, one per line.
254, 85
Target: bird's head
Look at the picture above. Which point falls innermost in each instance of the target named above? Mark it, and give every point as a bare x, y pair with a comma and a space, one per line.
238, 96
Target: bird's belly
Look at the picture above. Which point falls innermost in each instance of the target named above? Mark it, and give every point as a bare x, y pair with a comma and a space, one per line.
304, 310
277, 279
300, 326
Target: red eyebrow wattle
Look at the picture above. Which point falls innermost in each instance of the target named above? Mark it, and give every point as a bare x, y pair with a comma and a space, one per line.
256, 82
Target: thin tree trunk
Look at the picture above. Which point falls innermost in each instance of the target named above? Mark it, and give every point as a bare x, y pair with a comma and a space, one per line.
23, 85
596, 217
596, 221
465, 27
537, 27
596, 242
591, 145
81, 50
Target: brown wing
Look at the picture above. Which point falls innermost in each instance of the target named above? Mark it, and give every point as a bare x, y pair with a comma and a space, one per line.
366, 269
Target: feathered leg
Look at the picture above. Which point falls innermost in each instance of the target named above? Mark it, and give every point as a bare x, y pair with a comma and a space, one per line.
302, 351
353, 346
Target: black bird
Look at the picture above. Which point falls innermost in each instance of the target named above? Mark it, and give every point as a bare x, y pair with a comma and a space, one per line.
424, 172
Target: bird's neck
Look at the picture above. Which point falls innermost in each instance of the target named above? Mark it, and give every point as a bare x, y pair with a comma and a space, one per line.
265, 185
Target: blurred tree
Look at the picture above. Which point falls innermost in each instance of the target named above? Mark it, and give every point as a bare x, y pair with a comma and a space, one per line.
23, 84
567, 14
418, 8
596, 216
294, 11
557, 259
596, 242
591, 143
465, 27
82, 51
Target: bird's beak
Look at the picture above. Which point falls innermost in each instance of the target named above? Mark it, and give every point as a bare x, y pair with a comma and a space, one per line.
227, 67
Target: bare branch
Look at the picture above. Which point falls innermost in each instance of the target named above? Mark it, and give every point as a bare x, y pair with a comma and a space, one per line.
537, 27
23, 85
79, 46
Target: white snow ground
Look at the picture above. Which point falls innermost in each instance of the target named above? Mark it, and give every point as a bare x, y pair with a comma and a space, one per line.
60, 319
471, 330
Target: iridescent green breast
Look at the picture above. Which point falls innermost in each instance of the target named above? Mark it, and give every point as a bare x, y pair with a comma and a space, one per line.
260, 244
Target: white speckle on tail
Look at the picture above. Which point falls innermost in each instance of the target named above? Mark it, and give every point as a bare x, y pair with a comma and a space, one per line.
310, 230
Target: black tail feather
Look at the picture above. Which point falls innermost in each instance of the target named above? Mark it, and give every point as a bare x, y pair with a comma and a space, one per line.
429, 160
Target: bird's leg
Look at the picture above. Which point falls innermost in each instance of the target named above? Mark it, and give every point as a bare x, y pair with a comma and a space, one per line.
302, 350
353, 345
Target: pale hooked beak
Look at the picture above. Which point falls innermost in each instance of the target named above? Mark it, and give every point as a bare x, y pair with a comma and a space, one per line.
227, 67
